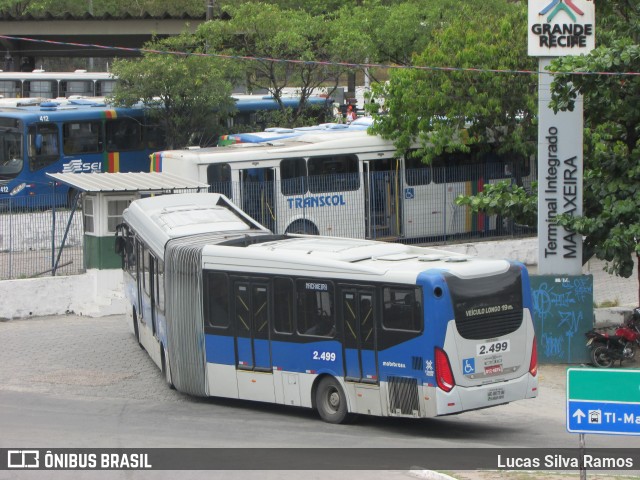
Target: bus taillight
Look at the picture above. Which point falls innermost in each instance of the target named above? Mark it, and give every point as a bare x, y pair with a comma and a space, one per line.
444, 374
533, 365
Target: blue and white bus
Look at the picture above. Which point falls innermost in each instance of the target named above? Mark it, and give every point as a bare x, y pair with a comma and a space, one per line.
226, 308
70, 136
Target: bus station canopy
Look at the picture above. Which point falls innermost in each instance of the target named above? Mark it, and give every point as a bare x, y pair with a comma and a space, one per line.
128, 182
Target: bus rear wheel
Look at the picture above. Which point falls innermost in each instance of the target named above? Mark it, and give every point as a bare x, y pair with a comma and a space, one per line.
303, 227
331, 401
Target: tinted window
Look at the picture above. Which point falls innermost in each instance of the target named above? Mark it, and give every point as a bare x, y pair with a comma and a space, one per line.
417, 172
402, 309
43, 145
123, 134
219, 179
315, 308
293, 176
283, 305
334, 173
216, 299
82, 137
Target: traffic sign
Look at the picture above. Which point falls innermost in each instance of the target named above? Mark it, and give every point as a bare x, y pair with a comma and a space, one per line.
603, 401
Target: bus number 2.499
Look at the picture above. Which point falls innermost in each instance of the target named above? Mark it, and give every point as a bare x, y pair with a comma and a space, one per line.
326, 356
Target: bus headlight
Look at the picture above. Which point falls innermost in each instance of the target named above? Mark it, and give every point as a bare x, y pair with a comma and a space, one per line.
17, 189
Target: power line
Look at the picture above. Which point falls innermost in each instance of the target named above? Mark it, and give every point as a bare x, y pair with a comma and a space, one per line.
314, 62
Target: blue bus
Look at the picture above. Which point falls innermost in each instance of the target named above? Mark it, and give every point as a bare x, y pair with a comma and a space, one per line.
70, 136
248, 107
343, 326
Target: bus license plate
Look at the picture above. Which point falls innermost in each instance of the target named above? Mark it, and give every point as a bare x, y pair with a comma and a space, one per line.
490, 348
495, 394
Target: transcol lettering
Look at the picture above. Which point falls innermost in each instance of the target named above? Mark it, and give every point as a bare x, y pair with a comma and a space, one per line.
319, 201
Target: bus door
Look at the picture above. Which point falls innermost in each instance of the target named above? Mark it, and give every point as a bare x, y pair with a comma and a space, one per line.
359, 335
258, 195
251, 317
382, 198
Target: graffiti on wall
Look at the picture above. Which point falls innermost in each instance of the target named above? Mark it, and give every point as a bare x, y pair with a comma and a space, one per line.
562, 313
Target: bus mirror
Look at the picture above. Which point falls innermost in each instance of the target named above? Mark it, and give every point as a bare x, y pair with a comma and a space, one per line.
120, 245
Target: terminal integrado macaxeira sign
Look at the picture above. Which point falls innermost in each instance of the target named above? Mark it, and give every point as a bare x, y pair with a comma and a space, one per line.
559, 28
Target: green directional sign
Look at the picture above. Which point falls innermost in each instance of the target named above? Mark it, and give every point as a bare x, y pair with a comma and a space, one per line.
603, 401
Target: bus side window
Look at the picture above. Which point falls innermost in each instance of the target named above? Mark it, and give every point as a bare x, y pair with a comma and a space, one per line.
219, 179
283, 306
82, 137
123, 134
417, 172
293, 176
216, 300
402, 309
336, 173
315, 308
43, 145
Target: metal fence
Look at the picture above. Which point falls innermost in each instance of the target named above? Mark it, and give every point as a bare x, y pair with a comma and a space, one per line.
38, 240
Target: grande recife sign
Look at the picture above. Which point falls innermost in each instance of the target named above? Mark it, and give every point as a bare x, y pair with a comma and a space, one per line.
561, 27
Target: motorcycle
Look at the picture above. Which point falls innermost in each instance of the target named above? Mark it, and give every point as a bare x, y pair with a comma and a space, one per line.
605, 349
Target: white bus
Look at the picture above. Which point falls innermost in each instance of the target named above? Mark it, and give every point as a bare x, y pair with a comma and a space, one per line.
348, 185
344, 326
42, 84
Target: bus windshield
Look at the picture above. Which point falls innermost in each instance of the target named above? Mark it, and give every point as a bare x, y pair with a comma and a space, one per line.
10, 153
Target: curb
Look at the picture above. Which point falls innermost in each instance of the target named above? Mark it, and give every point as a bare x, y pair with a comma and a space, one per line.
417, 472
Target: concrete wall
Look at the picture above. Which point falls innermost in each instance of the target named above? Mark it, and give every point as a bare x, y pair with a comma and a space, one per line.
94, 294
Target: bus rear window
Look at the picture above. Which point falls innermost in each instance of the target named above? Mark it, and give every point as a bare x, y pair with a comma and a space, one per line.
487, 307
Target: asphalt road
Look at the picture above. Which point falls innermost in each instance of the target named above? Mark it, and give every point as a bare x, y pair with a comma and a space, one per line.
78, 382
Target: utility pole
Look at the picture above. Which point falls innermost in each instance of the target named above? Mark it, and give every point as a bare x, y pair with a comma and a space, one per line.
210, 5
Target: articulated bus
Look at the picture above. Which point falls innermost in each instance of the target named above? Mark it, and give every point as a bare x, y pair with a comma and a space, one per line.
226, 308
43, 84
349, 185
70, 136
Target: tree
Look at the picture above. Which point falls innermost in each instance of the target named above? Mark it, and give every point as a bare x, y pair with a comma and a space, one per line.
446, 107
611, 218
279, 44
187, 94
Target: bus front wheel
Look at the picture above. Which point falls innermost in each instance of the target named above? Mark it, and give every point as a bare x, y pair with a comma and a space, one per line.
331, 401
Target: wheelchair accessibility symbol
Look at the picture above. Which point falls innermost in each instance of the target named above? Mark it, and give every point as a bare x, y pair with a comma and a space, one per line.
409, 193
469, 366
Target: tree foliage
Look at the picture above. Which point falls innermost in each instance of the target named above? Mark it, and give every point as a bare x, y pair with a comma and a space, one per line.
280, 44
611, 216
188, 94
446, 107
611, 219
